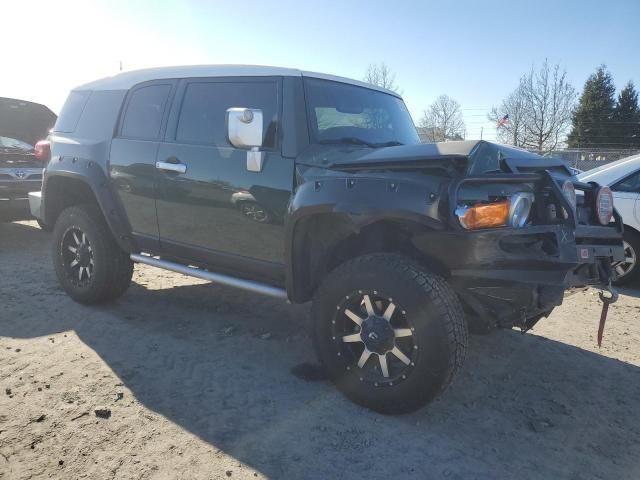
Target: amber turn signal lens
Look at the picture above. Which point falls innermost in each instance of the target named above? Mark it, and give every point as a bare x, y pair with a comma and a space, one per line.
484, 215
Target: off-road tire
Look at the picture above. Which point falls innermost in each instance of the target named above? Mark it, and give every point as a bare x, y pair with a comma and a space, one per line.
632, 238
112, 267
430, 307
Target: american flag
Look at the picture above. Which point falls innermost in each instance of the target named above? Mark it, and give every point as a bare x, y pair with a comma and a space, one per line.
503, 120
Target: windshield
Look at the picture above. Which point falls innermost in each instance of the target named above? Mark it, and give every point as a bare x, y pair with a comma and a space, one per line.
7, 143
349, 114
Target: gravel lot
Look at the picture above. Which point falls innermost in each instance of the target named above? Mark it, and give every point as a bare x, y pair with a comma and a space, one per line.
195, 381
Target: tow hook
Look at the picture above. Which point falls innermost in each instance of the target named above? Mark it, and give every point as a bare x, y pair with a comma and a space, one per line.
607, 300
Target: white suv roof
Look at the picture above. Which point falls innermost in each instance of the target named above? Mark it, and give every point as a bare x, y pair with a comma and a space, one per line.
126, 80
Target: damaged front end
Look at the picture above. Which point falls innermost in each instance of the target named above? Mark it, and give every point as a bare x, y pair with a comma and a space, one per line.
512, 268
510, 230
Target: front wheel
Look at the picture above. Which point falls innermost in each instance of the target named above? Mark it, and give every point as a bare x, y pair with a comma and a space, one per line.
390, 335
88, 262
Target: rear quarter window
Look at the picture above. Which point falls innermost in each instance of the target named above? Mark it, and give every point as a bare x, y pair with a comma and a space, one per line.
71, 111
100, 115
144, 111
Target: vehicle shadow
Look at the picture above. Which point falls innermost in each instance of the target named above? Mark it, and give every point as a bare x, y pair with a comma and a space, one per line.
217, 362
630, 290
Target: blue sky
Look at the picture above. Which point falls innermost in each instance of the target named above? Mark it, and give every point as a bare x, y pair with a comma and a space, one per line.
474, 51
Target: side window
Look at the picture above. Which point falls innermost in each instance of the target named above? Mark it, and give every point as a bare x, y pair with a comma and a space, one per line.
143, 116
203, 113
629, 184
71, 111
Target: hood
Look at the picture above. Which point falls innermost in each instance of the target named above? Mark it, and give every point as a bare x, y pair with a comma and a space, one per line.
354, 158
466, 157
25, 121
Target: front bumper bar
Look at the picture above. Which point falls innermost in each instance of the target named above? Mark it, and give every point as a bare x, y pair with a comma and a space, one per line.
509, 275
14, 202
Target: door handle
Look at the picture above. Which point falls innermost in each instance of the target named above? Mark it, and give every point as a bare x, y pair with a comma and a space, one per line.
172, 167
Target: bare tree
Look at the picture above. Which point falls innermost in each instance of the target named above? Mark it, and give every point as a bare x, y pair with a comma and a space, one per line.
382, 76
512, 130
550, 100
443, 120
539, 110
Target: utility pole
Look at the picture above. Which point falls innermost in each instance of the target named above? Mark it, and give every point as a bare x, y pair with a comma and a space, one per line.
481, 130
120, 65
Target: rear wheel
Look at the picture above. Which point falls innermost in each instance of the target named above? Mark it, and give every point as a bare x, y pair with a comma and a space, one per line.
629, 269
88, 262
390, 335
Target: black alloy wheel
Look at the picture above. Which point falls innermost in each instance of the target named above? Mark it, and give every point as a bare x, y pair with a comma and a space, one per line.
78, 256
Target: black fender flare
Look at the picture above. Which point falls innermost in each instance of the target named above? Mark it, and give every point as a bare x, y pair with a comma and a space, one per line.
356, 203
95, 178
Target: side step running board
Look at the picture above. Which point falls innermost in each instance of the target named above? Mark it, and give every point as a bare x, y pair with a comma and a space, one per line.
257, 287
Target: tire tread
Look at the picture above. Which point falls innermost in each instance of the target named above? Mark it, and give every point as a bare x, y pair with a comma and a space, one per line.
433, 287
119, 268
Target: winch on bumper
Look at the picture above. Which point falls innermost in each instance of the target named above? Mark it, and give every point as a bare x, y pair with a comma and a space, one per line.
514, 276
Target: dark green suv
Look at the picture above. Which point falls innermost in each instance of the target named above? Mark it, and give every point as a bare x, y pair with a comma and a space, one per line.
309, 187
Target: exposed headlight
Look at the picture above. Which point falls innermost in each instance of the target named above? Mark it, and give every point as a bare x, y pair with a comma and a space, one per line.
604, 205
569, 192
519, 209
513, 212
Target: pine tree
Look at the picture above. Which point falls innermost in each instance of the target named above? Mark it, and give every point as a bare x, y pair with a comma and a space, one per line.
593, 120
627, 117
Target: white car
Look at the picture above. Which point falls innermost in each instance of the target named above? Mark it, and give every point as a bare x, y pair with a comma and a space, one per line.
623, 177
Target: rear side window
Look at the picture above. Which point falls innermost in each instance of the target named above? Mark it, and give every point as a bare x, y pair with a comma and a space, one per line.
143, 115
71, 111
203, 113
100, 114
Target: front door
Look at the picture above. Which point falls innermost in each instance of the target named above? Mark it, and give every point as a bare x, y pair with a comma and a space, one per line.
210, 208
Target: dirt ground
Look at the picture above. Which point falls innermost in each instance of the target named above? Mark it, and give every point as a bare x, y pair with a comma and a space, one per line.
197, 380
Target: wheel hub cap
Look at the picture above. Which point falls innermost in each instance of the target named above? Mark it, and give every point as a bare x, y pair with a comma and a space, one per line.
377, 335
373, 333
83, 255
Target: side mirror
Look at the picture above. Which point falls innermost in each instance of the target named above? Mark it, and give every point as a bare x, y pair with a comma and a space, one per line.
245, 127
244, 130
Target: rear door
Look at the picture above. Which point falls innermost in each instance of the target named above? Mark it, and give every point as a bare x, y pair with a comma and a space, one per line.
133, 155
212, 209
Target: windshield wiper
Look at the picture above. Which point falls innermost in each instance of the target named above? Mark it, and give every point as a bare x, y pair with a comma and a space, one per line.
392, 143
359, 141
350, 140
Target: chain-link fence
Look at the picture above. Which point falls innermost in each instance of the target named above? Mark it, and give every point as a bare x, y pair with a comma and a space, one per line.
588, 158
